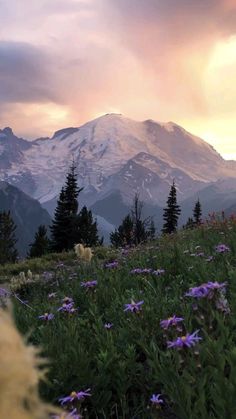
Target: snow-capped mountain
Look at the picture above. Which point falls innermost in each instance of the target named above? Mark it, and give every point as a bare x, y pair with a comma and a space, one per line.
113, 153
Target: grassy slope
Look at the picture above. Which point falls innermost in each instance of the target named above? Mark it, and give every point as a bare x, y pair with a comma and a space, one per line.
124, 366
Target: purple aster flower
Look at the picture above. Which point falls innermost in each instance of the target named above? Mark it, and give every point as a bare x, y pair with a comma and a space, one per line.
198, 292
156, 399
89, 284
200, 254
67, 308
112, 265
46, 316
4, 293
75, 395
222, 248
159, 272
108, 325
185, 341
171, 321
133, 307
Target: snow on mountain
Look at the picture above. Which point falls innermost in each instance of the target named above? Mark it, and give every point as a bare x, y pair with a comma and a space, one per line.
113, 152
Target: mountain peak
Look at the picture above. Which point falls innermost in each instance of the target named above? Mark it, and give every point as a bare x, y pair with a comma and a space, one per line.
7, 131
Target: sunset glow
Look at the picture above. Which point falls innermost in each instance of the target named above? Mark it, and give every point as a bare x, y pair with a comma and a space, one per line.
64, 62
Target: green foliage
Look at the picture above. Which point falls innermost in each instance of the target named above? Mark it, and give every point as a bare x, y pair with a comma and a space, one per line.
128, 363
171, 212
197, 213
134, 229
40, 246
87, 228
64, 230
8, 252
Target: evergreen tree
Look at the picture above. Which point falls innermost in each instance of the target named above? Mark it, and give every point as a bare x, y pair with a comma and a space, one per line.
189, 224
64, 229
40, 246
8, 252
87, 231
171, 212
151, 231
124, 235
197, 213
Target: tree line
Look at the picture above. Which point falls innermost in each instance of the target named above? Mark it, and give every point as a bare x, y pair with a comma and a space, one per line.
70, 226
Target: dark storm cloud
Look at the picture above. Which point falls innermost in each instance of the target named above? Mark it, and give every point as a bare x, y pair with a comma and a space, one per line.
24, 74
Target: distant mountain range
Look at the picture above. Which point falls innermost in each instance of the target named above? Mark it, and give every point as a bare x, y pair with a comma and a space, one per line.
117, 157
26, 212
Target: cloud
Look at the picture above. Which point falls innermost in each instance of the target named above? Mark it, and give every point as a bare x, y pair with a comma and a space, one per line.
24, 74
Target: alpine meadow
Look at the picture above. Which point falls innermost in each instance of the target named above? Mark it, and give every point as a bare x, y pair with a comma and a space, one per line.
117, 229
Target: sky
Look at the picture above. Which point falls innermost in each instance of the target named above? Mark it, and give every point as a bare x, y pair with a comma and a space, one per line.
64, 62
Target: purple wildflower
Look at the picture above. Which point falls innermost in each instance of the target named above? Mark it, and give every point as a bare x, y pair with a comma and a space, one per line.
46, 316
67, 308
4, 293
133, 307
74, 395
222, 248
198, 292
112, 265
89, 284
156, 399
141, 271
185, 341
108, 325
171, 321
158, 272
216, 285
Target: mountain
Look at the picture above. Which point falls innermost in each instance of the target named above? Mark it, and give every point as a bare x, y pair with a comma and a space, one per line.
113, 154
218, 196
25, 211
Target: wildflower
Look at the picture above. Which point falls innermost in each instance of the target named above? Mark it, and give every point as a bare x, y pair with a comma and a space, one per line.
108, 325
222, 248
171, 321
112, 265
185, 341
89, 284
133, 307
158, 272
205, 290
198, 292
80, 395
141, 271
46, 316
4, 293
209, 259
29, 274
156, 399
67, 308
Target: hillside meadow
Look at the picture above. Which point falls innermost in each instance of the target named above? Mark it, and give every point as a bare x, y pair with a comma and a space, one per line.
141, 333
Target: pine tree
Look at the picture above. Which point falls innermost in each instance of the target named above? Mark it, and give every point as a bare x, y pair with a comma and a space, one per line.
8, 252
40, 246
87, 231
197, 213
64, 230
151, 231
189, 224
171, 212
124, 235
